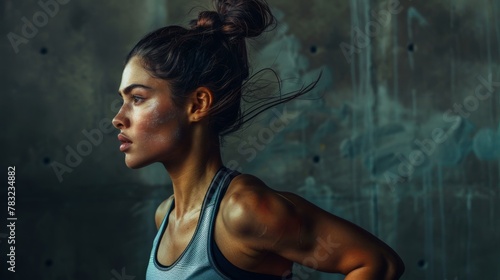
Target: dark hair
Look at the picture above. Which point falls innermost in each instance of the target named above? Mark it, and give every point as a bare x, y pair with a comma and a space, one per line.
212, 53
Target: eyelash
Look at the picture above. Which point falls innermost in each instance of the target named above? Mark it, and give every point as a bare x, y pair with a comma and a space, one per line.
137, 99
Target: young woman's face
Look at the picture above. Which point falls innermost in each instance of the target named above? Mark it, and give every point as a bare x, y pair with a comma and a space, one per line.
151, 127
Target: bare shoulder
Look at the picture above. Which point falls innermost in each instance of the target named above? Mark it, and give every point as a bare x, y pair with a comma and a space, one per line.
246, 190
252, 210
162, 209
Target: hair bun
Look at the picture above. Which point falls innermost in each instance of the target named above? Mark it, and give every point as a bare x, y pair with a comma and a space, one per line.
244, 18
208, 20
237, 18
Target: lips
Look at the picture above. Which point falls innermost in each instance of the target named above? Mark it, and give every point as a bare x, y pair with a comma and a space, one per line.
125, 142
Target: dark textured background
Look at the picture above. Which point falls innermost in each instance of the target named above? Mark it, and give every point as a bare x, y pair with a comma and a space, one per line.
354, 152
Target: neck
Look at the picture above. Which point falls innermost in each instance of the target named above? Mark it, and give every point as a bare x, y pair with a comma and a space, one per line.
191, 176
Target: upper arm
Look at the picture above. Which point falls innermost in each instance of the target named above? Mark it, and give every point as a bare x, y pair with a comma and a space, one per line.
290, 226
161, 211
337, 245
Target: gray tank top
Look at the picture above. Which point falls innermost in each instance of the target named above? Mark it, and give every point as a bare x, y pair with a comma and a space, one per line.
195, 262
201, 259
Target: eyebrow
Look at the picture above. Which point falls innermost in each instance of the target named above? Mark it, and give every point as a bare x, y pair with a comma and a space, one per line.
129, 88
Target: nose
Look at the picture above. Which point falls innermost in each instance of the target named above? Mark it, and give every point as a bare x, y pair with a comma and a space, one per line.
120, 120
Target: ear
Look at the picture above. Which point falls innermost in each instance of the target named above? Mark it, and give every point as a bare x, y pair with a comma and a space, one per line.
200, 102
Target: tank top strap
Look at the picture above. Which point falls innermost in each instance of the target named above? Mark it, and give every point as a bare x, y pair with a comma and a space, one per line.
219, 185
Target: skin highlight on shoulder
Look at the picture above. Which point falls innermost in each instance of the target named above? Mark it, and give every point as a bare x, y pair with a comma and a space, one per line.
257, 214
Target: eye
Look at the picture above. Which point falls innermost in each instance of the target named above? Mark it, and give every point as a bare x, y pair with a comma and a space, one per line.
137, 99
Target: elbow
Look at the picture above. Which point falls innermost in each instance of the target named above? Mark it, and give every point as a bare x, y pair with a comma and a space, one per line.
380, 267
394, 267
386, 267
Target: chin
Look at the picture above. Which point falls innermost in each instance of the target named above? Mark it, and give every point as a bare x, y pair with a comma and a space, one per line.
136, 164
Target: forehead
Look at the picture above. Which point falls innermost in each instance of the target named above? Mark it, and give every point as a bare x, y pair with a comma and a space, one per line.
134, 73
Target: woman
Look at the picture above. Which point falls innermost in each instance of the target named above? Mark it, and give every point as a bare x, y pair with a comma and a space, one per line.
181, 90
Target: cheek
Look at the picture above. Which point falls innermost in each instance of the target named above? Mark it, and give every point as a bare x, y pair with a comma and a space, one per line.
163, 126
158, 117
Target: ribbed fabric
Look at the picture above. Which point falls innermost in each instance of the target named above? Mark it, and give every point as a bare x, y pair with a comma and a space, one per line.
197, 261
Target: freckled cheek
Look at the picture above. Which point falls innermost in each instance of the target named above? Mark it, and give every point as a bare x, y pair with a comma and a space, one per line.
159, 127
